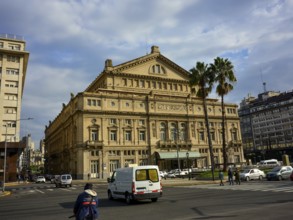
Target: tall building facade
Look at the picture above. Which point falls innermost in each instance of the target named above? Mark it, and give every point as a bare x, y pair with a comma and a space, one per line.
13, 67
267, 125
138, 112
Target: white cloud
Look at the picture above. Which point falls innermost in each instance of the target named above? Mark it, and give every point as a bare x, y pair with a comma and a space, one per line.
69, 40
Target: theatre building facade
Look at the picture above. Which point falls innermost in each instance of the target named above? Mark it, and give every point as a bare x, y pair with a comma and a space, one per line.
138, 112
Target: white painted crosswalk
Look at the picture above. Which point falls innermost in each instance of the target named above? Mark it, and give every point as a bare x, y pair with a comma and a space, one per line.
264, 187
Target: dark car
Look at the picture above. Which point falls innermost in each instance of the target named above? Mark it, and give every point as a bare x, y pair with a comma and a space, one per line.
291, 176
280, 173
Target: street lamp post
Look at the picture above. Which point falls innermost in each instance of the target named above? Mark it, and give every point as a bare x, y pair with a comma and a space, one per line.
187, 157
5, 154
176, 139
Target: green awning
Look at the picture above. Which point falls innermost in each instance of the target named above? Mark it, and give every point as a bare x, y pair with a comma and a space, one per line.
181, 155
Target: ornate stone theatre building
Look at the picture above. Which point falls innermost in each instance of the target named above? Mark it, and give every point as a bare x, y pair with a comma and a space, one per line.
138, 112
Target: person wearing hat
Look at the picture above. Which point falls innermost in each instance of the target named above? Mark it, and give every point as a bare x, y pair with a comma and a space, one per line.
85, 207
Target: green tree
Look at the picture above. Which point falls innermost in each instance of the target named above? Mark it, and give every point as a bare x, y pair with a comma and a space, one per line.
225, 78
202, 77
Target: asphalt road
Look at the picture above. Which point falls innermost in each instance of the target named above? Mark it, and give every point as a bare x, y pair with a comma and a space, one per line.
251, 200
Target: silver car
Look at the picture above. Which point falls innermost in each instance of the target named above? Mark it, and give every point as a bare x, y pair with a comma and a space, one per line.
252, 174
280, 173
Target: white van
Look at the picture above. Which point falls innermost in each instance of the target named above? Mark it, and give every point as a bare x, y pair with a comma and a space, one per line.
63, 180
269, 163
135, 183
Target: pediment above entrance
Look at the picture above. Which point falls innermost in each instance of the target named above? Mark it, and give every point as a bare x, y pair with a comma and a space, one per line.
153, 65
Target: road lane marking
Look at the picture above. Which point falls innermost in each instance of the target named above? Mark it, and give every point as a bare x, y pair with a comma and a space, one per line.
39, 191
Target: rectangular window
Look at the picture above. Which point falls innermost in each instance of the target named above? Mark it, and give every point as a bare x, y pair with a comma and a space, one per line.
113, 121
234, 136
142, 135
15, 59
113, 135
175, 87
148, 84
124, 82
141, 83
128, 135
141, 122
160, 85
154, 84
213, 136
89, 102
11, 84
165, 86
12, 71
128, 121
201, 135
14, 46
94, 135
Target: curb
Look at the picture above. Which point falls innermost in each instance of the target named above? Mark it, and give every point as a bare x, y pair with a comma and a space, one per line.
5, 193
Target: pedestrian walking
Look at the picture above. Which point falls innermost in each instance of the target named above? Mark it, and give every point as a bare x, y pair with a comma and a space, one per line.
221, 177
237, 176
230, 176
85, 207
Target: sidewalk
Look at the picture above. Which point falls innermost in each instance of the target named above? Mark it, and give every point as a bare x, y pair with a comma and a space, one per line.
165, 182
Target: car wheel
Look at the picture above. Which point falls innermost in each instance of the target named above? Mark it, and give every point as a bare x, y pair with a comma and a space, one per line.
280, 178
128, 198
154, 199
56, 185
247, 178
260, 177
110, 197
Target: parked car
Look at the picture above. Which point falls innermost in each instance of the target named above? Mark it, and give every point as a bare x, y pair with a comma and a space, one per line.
53, 178
178, 173
64, 180
252, 174
40, 179
280, 173
163, 174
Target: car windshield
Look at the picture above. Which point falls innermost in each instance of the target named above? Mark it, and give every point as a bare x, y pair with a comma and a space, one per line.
245, 171
276, 169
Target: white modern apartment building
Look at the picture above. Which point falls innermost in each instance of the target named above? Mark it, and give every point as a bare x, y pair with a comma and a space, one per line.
13, 67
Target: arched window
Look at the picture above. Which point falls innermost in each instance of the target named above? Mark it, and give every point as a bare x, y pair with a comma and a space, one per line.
183, 132
173, 130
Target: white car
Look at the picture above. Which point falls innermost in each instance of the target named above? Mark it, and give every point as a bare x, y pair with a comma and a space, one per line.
163, 174
40, 179
252, 174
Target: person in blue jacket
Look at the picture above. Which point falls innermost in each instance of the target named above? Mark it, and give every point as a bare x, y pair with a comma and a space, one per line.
86, 205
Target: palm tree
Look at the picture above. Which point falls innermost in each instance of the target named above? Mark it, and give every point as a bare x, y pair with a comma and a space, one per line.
203, 77
224, 76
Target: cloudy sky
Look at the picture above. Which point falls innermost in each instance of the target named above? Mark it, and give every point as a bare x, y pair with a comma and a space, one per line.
69, 41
